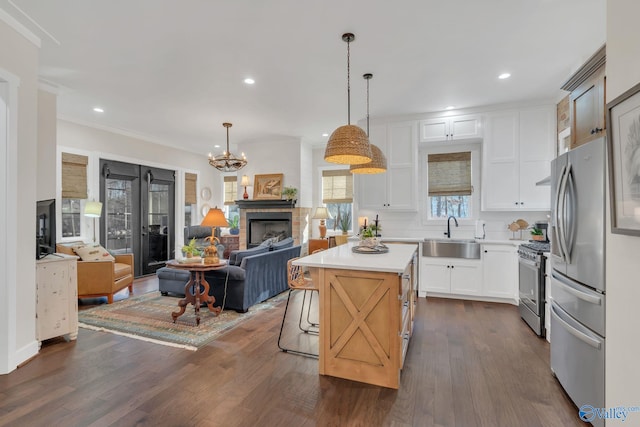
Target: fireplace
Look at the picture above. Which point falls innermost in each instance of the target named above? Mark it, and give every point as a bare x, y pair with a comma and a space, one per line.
261, 226
298, 219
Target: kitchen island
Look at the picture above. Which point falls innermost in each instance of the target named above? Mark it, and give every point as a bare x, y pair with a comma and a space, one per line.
367, 304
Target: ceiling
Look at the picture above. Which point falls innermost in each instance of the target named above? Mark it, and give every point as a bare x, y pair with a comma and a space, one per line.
172, 71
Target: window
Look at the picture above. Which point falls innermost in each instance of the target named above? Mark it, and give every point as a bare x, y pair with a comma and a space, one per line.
230, 190
337, 195
70, 217
190, 195
74, 189
230, 195
450, 184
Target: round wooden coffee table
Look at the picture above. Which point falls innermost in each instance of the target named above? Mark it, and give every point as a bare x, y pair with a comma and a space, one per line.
192, 293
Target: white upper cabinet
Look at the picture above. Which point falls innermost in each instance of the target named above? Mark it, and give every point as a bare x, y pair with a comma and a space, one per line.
395, 189
517, 153
451, 128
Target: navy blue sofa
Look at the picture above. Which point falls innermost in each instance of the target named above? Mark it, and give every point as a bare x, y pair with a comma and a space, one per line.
261, 274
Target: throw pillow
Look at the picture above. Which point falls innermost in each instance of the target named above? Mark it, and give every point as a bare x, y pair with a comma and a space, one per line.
93, 253
285, 243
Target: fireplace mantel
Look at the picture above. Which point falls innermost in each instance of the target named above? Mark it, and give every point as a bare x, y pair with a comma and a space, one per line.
265, 204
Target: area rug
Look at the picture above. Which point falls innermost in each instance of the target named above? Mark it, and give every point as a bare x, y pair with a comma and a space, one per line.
148, 317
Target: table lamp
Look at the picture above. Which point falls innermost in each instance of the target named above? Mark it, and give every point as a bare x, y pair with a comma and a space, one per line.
215, 218
322, 214
93, 210
245, 182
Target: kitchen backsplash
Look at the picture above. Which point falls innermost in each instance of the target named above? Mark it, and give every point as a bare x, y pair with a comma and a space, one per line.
400, 224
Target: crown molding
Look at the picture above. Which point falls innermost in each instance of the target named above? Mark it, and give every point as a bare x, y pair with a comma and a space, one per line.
21, 29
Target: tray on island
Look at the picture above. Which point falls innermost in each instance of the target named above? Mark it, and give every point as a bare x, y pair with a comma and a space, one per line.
378, 249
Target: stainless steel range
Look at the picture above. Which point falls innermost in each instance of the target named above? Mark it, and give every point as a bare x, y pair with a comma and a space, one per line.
531, 271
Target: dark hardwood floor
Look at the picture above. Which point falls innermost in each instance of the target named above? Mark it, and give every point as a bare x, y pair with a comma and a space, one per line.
469, 364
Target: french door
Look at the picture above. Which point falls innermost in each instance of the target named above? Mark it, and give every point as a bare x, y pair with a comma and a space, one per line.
139, 204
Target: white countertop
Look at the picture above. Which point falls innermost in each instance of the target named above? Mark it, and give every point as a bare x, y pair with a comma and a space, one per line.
394, 261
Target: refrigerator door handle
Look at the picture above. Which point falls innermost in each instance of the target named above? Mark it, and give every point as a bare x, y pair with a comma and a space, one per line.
562, 283
573, 331
572, 212
558, 219
561, 214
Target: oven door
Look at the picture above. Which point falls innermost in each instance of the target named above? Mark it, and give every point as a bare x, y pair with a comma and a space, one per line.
529, 284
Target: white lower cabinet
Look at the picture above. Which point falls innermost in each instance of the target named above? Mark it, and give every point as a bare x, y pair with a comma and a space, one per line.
500, 271
56, 297
451, 276
493, 277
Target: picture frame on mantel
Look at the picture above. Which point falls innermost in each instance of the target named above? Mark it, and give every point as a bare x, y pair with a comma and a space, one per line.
268, 186
623, 143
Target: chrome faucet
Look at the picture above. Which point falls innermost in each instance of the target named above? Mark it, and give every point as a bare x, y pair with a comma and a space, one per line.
448, 232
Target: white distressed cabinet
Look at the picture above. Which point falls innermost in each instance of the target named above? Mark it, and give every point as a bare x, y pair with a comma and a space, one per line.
395, 189
453, 128
517, 151
56, 297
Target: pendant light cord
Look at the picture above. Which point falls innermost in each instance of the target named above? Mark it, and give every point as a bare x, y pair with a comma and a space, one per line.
368, 105
348, 82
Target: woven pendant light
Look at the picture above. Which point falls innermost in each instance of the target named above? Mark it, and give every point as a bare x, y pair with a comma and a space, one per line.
378, 163
348, 144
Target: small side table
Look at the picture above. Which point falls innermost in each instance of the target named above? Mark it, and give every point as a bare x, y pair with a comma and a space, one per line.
315, 244
196, 279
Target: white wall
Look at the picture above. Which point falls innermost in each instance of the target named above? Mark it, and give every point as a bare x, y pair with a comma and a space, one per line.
283, 155
99, 144
46, 177
623, 269
18, 57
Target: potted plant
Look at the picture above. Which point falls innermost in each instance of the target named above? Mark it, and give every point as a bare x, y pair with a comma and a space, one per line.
536, 234
190, 250
289, 193
368, 237
234, 225
345, 221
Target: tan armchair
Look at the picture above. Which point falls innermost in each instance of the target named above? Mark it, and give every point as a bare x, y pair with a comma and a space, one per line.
101, 278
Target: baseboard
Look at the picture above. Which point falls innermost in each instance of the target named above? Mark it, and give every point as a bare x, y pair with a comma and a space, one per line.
511, 301
27, 352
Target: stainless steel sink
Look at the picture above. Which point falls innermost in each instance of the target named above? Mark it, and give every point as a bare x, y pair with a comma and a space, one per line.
451, 248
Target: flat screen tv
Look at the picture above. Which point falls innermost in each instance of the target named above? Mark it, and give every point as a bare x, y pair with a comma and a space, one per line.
45, 228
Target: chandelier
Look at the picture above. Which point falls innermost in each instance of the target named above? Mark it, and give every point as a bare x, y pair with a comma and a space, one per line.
227, 162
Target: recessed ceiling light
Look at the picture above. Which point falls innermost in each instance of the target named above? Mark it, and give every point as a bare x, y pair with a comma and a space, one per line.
249, 81
504, 76
325, 134
98, 110
450, 107
216, 146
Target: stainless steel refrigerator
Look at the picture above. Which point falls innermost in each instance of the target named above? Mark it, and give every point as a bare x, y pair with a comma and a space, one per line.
578, 273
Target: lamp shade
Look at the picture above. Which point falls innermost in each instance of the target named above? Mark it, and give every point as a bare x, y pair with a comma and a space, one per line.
215, 218
348, 145
93, 209
321, 213
378, 163
245, 181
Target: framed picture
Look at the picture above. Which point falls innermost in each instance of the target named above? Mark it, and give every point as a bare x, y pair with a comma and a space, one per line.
623, 135
268, 186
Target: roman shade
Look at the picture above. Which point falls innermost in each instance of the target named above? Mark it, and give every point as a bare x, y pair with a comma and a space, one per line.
450, 174
337, 186
74, 176
230, 190
190, 185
